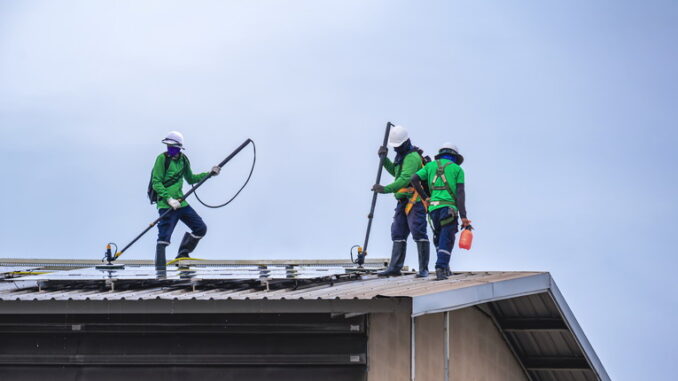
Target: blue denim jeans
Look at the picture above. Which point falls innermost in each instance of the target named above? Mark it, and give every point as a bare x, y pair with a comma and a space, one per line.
404, 224
443, 236
186, 215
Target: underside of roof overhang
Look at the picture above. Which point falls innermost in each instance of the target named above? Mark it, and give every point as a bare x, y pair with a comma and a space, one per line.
534, 319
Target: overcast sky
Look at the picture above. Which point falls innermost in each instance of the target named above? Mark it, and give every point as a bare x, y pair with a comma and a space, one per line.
565, 111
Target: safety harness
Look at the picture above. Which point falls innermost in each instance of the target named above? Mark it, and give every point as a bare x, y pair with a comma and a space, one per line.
152, 194
440, 174
415, 196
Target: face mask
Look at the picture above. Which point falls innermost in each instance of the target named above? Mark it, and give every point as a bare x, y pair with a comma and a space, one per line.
452, 158
173, 150
403, 148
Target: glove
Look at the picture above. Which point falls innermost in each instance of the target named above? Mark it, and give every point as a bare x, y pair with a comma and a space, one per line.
383, 151
378, 188
175, 204
215, 170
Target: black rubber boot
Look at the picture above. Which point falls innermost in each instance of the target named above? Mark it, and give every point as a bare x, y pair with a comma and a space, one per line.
441, 274
424, 252
160, 261
188, 244
397, 259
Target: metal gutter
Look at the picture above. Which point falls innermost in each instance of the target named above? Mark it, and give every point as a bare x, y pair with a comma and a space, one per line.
164, 306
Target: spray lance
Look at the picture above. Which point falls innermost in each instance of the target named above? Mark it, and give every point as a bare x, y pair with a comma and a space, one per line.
110, 257
362, 250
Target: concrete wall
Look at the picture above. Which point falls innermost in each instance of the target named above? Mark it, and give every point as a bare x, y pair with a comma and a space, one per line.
478, 351
430, 341
388, 344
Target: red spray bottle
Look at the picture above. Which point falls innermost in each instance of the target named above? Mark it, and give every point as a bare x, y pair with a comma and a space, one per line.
466, 238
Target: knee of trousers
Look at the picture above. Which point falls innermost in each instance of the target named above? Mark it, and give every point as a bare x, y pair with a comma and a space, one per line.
399, 232
420, 234
417, 225
445, 242
164, 236
200, 231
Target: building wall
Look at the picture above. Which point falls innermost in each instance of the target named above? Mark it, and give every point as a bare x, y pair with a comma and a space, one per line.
388, 344
478, 351
430, 351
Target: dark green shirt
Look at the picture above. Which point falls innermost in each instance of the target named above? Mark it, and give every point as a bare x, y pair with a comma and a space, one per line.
402, 173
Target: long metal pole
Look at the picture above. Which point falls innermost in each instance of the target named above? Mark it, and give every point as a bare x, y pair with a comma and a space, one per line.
190, 192
363, 252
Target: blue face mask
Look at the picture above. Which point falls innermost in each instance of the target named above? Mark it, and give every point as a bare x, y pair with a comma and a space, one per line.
173, 150
449, 157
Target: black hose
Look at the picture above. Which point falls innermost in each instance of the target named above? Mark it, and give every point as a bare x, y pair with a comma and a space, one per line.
254, 161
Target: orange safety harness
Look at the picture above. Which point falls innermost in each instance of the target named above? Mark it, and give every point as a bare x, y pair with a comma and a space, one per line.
415, 196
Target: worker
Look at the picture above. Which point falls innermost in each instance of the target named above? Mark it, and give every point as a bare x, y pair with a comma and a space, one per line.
167, 178
410, 214
446, 203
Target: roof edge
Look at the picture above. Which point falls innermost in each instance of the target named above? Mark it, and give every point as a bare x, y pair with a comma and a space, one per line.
578, 332
484, 293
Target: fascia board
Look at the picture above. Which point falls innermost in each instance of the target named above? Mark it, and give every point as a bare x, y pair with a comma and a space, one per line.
483, 293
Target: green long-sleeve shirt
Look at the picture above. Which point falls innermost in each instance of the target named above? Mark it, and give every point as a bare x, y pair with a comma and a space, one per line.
402, 173
178, 164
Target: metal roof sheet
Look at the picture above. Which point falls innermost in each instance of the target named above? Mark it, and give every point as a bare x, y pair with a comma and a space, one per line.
368, 287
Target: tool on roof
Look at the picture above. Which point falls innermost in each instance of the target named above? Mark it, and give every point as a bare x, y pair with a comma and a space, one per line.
109, 257
362, 251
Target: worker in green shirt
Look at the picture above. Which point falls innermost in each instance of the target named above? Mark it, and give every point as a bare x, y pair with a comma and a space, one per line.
447, 202
410, 214
167, 179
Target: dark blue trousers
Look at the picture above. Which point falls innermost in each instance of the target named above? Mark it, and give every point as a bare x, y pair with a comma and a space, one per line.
443, 236
186, 215
404, 224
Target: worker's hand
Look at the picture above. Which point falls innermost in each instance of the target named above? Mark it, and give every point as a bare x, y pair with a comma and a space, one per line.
175, 204
383, 151
465, 222
378, 188
215, 170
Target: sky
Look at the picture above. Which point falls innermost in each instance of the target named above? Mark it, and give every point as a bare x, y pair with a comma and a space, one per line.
564, 110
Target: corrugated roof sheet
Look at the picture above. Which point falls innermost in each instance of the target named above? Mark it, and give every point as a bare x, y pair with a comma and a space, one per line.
539, 338
370, 286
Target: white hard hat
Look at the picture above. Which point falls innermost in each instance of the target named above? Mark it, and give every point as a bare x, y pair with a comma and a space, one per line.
450, 149
397, 136
451, 146
174, 138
